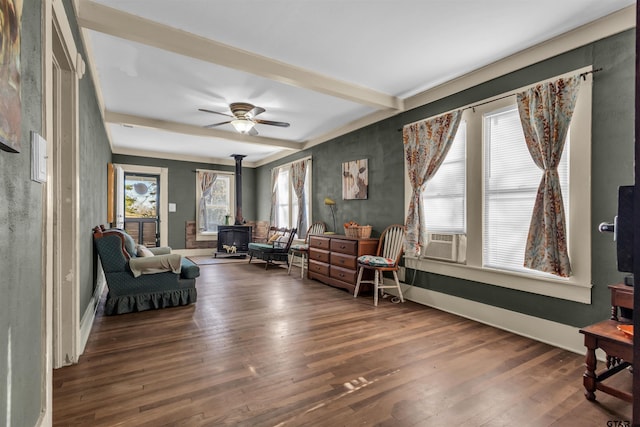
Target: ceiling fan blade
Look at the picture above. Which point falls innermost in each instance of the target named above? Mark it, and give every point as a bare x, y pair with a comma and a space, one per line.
272, 123
214, 112
217, 124
255, 111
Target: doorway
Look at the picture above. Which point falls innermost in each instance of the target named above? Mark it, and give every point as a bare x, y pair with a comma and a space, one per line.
134, 187
141, 213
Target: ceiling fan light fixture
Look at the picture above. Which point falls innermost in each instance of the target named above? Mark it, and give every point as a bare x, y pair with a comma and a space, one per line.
242, 125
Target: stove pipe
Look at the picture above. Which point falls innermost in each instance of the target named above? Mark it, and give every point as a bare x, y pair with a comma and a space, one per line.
238, 157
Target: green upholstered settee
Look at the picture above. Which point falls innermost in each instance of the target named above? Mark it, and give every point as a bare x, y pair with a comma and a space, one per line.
137, 283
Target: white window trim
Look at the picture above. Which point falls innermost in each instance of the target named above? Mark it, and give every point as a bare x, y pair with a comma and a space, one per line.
213, 235
578, 286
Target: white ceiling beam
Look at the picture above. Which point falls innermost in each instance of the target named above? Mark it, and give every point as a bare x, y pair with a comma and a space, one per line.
120, 24
131, 120
181, 157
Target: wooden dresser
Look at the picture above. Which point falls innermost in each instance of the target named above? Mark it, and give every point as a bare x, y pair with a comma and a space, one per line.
333, 259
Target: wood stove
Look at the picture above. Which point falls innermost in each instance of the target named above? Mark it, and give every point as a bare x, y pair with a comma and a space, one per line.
233, 240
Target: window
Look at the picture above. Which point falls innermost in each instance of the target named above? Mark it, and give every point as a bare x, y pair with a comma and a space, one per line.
444, 196
284, 199
287, 205
511, 181
499, 191
218, 203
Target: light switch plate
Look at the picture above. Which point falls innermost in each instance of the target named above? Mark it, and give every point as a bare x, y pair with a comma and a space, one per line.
172, 207
38, 158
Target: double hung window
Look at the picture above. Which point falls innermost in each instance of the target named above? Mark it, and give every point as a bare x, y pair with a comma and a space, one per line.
215, 202
511, 181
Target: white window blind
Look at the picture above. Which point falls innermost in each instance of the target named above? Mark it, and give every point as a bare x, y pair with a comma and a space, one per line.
283, 193
510, 186
443, 198
287, 201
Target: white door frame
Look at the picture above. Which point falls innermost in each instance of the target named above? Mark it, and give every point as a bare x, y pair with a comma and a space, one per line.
62, 67
164, 204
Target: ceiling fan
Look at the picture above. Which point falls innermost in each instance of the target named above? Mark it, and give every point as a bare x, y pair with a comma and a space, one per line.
244, 118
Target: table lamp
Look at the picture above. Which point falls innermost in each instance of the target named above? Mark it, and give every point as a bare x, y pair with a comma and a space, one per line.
332, 205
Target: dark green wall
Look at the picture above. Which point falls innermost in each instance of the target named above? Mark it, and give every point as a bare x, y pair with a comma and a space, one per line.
182, 191
381, 143
21, 216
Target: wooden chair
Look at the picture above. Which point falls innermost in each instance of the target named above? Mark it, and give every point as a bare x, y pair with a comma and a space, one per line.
302, 250
387, 258
276, 248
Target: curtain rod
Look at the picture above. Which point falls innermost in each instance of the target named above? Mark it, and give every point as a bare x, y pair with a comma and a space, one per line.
581, 75
291, 162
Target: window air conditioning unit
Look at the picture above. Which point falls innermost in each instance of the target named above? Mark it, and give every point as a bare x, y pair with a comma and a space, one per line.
444, 247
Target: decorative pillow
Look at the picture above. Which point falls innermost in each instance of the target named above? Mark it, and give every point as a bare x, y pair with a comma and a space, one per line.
275, 237
376, 261
143, 251
300, 247
281, 241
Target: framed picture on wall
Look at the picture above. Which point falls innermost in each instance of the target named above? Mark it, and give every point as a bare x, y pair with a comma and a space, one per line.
355, 180
10, 101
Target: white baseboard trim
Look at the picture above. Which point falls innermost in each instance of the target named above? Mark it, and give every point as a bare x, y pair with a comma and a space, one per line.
90, 313
549, 332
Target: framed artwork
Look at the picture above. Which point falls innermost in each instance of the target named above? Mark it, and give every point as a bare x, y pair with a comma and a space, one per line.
355, 180
10, 100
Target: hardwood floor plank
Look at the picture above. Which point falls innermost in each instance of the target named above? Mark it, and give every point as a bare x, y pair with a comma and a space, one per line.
261, 348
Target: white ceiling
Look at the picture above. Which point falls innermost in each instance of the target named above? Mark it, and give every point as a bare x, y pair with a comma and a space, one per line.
324, 66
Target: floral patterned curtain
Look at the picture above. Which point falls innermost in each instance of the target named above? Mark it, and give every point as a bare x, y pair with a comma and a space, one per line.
274, 196
426, 144
205, 180
545, 112
298, 176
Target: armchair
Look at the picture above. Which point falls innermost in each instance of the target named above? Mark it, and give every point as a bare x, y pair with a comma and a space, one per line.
140, 278
276, 248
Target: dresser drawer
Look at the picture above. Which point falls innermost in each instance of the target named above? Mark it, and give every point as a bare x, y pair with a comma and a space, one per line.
344, 246
319, 242
319, 255
318, 267
345, 274
344, 260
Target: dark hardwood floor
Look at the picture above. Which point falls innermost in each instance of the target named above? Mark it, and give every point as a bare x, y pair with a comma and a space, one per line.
261, 348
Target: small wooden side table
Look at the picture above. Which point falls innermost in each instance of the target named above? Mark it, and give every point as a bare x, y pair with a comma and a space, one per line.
619, 349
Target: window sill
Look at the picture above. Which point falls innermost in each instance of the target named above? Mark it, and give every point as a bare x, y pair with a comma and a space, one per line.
572, 289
